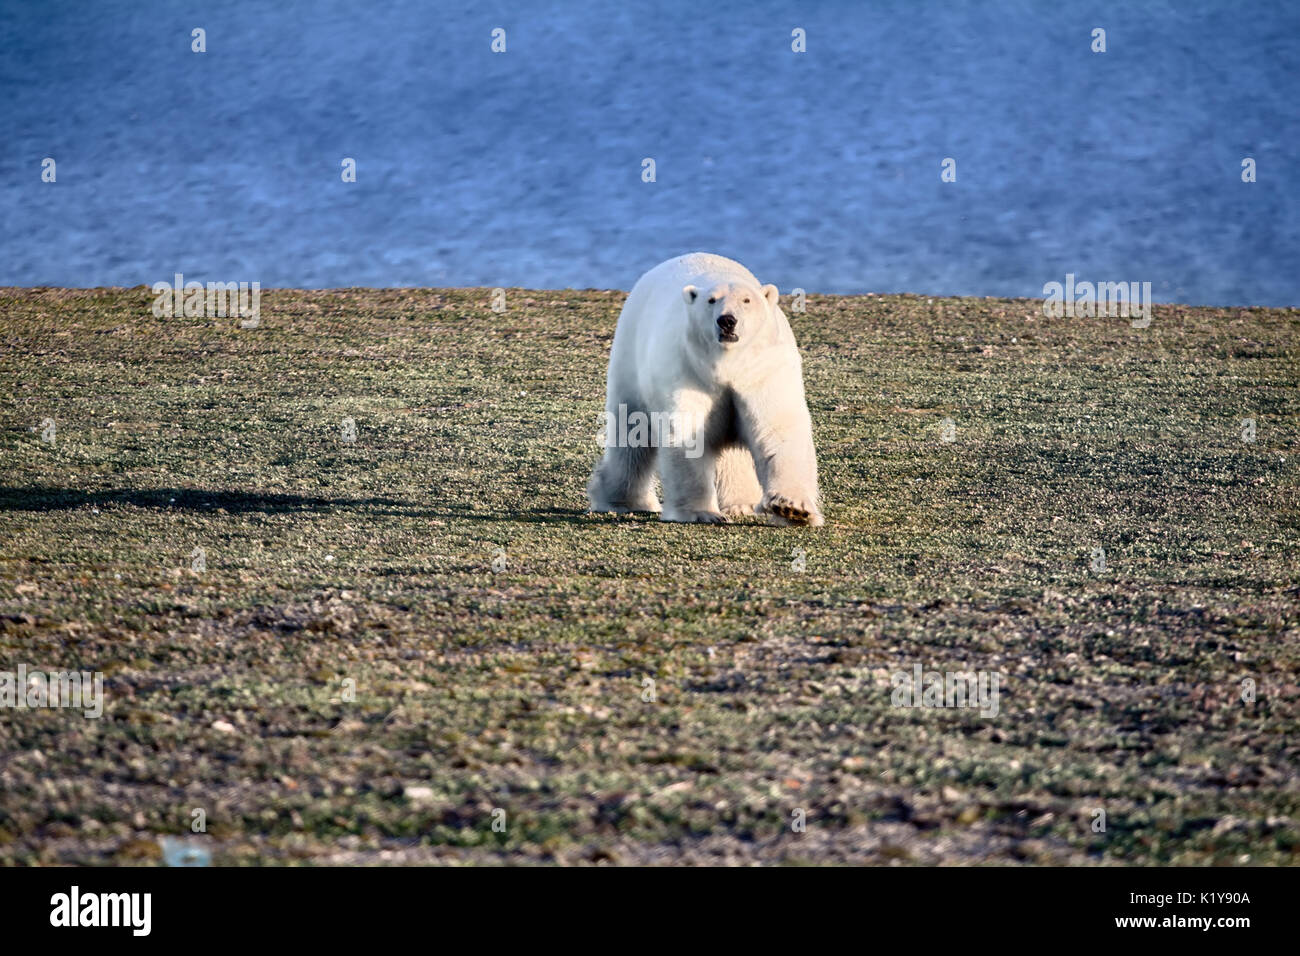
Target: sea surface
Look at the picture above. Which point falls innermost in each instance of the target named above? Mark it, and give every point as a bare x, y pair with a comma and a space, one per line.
820, 170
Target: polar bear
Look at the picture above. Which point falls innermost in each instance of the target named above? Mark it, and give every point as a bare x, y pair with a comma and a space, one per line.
706, 388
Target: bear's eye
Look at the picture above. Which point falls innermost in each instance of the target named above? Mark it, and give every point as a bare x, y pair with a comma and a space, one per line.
712, 300
746, 300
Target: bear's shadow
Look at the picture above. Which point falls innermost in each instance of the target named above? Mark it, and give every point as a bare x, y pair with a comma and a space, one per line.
42, 498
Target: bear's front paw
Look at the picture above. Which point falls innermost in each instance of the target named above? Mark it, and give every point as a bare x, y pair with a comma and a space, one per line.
693, 517
793, 510
738, 511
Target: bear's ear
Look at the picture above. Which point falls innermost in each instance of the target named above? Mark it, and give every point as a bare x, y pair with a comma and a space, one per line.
689, 293
771, 294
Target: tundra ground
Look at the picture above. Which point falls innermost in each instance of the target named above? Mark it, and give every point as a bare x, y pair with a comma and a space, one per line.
390, 639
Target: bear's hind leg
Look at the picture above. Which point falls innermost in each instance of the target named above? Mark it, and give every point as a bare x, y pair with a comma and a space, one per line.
739, 492
689, 492
623, 481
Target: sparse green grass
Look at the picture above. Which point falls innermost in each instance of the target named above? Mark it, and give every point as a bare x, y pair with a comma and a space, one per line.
522, 690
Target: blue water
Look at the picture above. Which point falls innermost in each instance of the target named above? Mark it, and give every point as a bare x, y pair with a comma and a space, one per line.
819, 170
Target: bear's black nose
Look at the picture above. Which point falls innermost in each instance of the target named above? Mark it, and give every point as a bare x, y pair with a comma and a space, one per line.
727, 323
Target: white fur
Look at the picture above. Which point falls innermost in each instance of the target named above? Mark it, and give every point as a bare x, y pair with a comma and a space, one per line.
746, 398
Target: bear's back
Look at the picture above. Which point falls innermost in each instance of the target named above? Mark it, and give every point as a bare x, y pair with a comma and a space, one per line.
694, 265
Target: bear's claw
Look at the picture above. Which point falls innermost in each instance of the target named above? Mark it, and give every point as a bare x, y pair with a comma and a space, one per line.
795, 512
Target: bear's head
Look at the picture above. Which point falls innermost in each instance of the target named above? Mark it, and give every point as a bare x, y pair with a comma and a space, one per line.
731, 311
